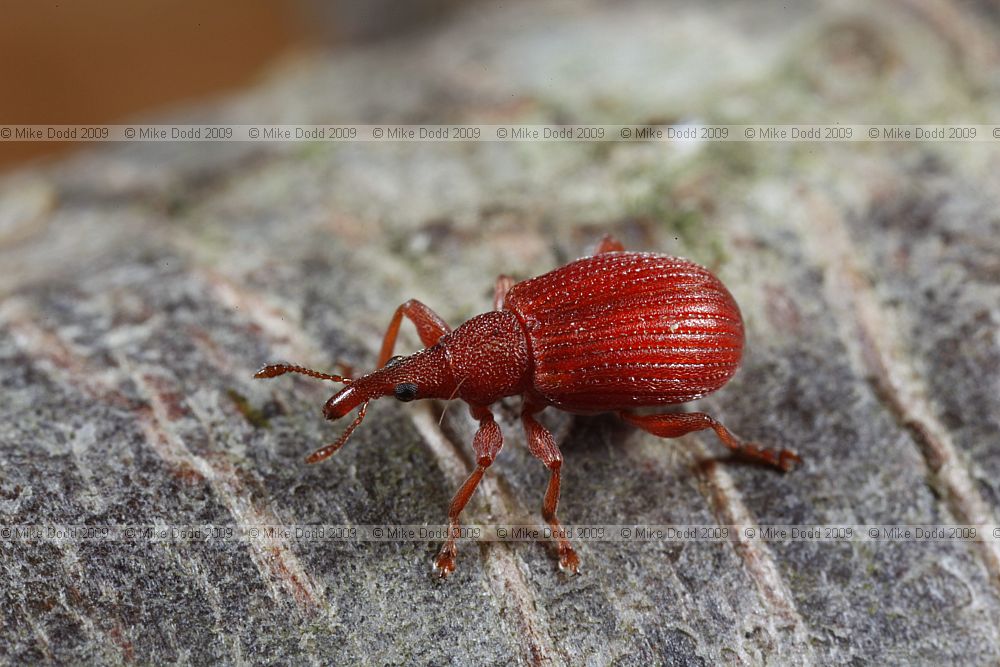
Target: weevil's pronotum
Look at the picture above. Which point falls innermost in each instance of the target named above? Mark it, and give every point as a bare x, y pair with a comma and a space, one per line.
608, 333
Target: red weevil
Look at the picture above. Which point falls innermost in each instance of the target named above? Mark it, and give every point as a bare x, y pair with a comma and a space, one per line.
608, 333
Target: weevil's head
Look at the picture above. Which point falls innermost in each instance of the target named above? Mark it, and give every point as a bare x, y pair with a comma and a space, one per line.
486, 359
426, 374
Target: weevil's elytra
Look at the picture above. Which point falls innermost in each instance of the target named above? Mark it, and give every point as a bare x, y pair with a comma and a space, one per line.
607, 333
672, 333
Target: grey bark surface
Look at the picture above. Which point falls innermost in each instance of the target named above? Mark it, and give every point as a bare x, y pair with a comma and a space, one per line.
143, 285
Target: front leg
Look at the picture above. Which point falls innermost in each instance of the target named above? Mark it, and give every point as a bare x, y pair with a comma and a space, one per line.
430, 327
543, 446
486, 445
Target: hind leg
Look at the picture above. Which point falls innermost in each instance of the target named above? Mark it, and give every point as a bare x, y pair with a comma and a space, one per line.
674, 425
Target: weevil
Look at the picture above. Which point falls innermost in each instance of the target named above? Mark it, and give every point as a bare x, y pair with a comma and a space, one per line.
612, 332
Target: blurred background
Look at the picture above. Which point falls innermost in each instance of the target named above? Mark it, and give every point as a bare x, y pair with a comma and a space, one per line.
102, 62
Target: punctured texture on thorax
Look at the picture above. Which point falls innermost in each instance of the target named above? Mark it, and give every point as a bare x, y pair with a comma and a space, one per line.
489, 357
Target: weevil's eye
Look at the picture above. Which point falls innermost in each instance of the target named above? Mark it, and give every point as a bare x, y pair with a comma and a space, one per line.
394, 360
405, 391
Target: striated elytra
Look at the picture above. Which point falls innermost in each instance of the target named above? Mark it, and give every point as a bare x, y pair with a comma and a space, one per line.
607, 333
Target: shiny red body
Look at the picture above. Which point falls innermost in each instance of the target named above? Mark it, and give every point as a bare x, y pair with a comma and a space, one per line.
611, 332
614, 331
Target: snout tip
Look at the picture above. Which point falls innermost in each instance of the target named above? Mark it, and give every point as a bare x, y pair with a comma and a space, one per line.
341, 403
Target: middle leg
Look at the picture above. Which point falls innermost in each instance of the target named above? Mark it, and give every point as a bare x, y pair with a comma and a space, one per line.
609, 244
543, 446
500, 289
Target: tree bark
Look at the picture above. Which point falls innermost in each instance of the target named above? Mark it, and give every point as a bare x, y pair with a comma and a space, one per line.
144, 284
